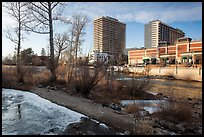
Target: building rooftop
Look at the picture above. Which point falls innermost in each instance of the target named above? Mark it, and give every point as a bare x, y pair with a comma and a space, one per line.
184, 39
176, 29
110, 18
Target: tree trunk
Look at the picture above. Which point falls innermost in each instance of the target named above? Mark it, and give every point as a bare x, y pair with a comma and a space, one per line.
52, 61
70, 67
76, 45
20, 76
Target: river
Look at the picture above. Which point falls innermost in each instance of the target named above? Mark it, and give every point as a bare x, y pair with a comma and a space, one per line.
179, 89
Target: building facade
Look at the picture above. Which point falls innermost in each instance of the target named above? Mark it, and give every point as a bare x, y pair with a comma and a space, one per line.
99, 56
157, 33
183, 51
109, 36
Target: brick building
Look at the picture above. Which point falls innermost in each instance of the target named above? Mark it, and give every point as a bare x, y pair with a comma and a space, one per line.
183, 51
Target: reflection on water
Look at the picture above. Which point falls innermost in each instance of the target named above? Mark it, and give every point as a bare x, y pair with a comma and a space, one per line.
173, 88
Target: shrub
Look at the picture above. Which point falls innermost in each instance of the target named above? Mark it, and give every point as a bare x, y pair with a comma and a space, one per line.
137, 88
86, 78
61, 71
176, 112
140, 125
133, 109
42, 77
143, 128
121, 90
9, 77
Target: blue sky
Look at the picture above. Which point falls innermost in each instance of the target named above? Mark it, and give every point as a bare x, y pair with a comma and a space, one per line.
186, 16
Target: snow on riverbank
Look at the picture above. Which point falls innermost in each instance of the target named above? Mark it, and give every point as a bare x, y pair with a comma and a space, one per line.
38, 115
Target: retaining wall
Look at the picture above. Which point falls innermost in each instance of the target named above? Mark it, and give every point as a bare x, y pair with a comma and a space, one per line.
177, 72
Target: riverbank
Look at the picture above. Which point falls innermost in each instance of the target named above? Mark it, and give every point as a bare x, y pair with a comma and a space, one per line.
106, 109
118, 121
112, 122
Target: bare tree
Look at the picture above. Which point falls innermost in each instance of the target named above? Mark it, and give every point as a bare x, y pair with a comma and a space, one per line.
78, 23
44, 13
70, 65
18, 11
61, 43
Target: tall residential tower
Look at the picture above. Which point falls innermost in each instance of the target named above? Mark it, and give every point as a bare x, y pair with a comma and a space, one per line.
109, 35
157, 33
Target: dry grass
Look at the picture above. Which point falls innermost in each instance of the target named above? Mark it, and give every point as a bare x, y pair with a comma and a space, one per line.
61, 72
121, 90
41, 77
30, 77
9, 78
137, 88
143, 128
132, 109
86, 79
176, 112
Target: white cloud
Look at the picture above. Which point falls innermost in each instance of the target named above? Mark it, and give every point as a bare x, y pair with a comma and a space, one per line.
141, 12
7, 20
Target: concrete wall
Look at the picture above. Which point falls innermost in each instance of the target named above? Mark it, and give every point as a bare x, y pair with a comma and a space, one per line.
136, 69
178, 73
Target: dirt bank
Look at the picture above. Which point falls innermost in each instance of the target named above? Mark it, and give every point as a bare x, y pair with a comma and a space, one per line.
87, 107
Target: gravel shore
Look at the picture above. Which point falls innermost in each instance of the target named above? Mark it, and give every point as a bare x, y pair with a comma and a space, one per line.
117, 121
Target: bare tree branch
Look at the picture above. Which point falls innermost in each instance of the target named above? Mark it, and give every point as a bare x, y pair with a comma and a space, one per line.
78, 24
43, 15
45, 6
61, 43
18, 11
33, 30
54, 5
39, 8
11, 37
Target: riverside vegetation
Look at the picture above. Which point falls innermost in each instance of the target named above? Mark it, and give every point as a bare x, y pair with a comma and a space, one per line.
96, 84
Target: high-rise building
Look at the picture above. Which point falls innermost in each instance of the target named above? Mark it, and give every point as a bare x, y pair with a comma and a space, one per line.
109, 35
158, 33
